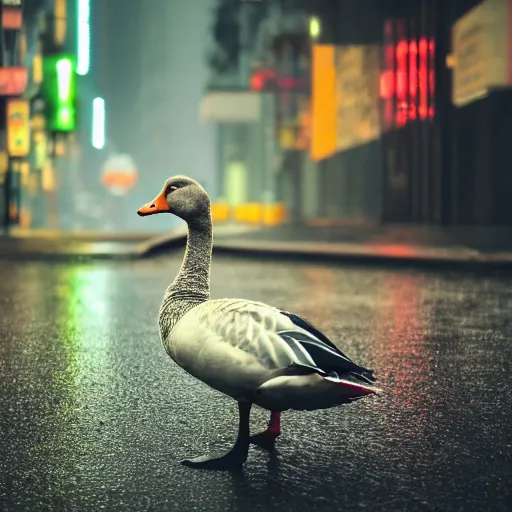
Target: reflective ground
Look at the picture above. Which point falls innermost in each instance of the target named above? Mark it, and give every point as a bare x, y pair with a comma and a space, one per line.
94, 415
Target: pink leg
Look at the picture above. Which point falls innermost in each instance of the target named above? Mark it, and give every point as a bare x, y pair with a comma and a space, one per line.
266, 438
274, 425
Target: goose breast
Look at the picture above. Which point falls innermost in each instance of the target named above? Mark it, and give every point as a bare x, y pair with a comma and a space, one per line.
231, 345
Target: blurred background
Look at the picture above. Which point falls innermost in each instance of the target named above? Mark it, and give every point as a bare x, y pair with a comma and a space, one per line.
303, 112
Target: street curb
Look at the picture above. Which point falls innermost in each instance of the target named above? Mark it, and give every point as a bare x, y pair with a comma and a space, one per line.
162, 243
69, 256
365, 253
40, 251
231, 245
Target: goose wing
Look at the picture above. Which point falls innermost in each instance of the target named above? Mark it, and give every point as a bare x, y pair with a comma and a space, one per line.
251, 336
234, 345
322, 351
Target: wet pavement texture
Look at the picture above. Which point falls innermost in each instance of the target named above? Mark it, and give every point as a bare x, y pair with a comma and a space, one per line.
95, 416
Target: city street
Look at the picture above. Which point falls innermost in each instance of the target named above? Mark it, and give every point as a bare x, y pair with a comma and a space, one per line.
95, 416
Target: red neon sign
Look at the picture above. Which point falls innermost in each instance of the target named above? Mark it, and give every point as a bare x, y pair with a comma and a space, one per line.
408, 81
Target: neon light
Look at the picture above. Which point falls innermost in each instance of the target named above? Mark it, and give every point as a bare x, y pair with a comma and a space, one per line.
314, 27
407, 83
432, 78
98, 123
401, 75
64, 115
423, 77
402, 83
64, 70
413, 79
84, 37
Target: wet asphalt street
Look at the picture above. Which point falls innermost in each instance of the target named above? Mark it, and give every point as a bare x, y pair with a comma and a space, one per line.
94, 415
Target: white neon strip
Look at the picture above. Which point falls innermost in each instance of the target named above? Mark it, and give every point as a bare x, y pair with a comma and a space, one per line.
64, 70
84, 37
98, 123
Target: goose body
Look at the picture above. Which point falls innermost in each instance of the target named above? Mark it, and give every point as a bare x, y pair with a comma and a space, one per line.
254, 352
250, 351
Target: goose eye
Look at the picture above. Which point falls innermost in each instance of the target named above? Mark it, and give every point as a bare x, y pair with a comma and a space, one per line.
171, 188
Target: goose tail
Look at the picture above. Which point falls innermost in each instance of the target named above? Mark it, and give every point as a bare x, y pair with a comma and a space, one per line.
354, 386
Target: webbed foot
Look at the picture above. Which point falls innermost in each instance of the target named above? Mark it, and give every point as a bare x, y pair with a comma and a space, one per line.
232, 460
265, 439
237, 456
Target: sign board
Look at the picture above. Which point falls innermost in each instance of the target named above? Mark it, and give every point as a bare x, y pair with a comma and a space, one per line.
345, 98
323, 102
12, 18
18, 127
59, 91
231, 107
119, 174
357, 95
481, 51
13, 81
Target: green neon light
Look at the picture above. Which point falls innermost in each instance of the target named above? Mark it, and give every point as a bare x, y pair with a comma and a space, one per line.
64, 70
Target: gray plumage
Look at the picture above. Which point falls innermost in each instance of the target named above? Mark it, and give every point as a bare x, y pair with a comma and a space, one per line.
191, 286
250, 351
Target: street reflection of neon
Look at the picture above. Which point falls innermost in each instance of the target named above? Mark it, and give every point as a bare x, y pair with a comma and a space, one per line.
403, 347
393, 250
85, 297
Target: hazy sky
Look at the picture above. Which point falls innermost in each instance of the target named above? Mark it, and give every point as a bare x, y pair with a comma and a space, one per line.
151, 69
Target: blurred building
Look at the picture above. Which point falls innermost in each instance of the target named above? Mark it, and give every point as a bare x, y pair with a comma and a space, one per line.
367, 111
30, 153
322, 112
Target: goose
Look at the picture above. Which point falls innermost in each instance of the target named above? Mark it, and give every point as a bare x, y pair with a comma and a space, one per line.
250, 351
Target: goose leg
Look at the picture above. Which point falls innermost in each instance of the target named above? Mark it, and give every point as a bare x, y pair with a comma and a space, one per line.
267, 438
237, 455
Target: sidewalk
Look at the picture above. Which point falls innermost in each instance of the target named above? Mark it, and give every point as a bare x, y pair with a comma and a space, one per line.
64, 245
460, 246
399, 243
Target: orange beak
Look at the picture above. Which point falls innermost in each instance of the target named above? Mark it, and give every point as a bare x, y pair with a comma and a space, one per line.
158, 205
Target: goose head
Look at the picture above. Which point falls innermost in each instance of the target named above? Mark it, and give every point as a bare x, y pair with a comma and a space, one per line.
181, 196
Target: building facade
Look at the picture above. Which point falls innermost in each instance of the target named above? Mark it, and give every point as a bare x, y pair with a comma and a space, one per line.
367, 120
29, 154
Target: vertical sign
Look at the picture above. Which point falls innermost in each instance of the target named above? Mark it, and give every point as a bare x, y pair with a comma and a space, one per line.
323, 105
357, 95
18, 127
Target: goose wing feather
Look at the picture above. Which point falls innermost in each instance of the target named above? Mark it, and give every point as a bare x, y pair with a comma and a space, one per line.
321, 349
234, 346
254, 339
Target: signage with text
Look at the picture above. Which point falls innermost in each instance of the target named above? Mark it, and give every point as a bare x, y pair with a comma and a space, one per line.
357, 95
18, 127
481, 53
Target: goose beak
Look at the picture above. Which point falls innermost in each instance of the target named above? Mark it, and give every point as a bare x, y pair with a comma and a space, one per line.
158, 205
